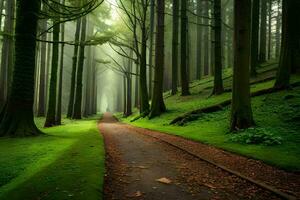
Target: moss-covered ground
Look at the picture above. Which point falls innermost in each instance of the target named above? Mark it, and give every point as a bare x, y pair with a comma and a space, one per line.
276, 114
65, 163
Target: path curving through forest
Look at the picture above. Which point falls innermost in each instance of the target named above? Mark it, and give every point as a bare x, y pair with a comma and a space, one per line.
143, 167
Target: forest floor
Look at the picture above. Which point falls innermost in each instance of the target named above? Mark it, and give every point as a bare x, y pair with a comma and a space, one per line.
65, 163
274, 140
145, 164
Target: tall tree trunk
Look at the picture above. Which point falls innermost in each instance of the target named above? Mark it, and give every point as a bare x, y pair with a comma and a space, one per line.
60, 79
144, 99
129, 86
124, 100
278, 33
158, 105
16, 118
183, 67
270, 3
263, 31
254, 37
74, 67
151, 34
136, 90
241, 112
218, 82
51, 111
78, 94
42, 76
175, 46
206, 36
199, 40
290, 43
7, 52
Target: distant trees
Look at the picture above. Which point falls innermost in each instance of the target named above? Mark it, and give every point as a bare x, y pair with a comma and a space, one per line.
158, 105
263, 31
290, 43
241, 112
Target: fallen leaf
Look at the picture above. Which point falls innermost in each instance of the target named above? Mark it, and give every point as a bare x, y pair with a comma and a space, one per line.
164, 180
136, 194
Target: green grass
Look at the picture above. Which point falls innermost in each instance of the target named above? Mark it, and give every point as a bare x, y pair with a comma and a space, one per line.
272, 113
65, 163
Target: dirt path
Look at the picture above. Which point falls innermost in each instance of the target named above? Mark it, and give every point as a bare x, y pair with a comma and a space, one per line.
135, 162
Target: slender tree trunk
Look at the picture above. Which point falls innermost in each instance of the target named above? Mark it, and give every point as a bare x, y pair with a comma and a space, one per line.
241, 112
290, 43
175, 46
218, 82
42, 81
263, 31
254, 37
270, 3
16, 118
60, 79
129, 86
151, 34
7, 52
51, 111
183, 67
136, 97
199, 40
124, 100
158, 105
78, 94
206, 36
278, 33
144, 99
74, 67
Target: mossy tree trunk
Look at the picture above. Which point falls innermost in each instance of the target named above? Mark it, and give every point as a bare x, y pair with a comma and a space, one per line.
77, 110
151, 36
254, 37
51, 111
241, 112
158, 105
16, 118
218, 81
74, 67
175, 46
183, 66
290, 43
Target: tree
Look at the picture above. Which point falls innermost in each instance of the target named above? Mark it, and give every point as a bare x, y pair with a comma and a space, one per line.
151, 34
175, 46
199, 40
263, 31
183, 66
60, 81
241, 112
254, 37
218, 82
290, 47
51, 111
78, 89
16, 118
158, 105
7, 51
74, 67
42, 76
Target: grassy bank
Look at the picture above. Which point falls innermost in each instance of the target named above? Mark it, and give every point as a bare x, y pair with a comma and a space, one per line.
276, 115
66, 162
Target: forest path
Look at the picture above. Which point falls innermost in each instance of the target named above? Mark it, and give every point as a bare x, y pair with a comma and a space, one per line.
136, 162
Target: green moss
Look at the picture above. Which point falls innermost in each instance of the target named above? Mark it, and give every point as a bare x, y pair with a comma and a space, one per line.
67, 162
276, 113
